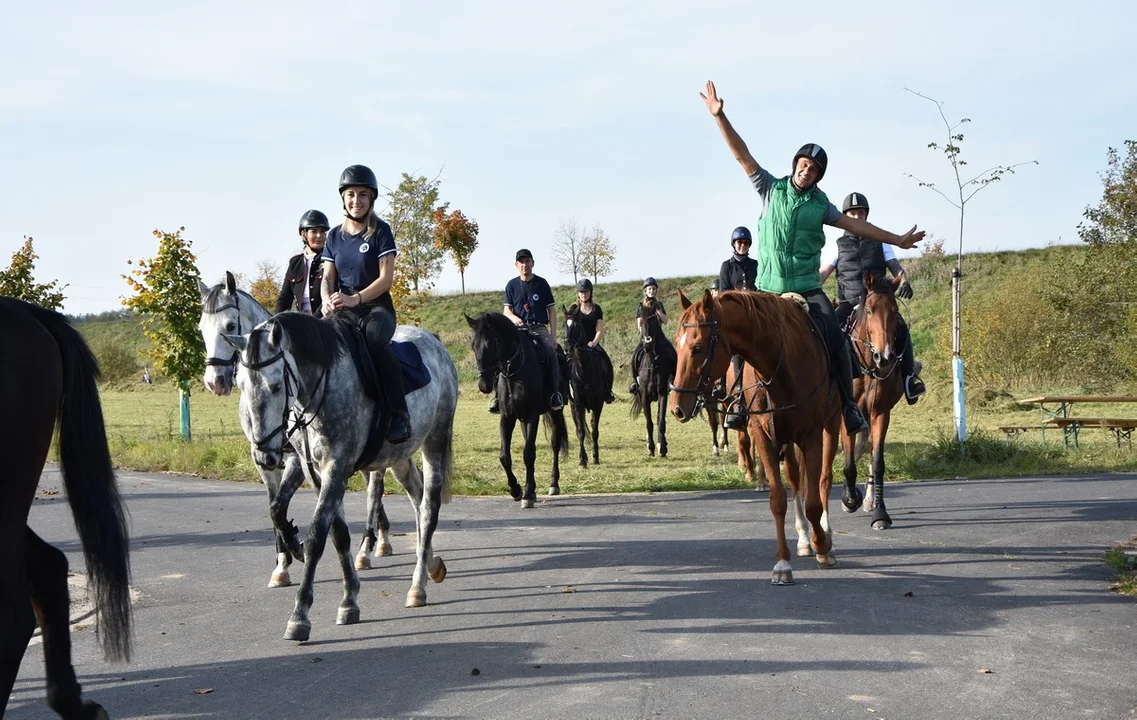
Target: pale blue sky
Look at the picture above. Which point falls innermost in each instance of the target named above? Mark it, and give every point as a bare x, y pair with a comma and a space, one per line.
233, 119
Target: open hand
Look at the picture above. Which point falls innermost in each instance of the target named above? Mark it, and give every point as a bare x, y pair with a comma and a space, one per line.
711, 98
910, 238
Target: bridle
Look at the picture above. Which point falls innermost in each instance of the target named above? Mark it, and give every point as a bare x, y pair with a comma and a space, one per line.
291, 385
875, 369
234, 358
503, 367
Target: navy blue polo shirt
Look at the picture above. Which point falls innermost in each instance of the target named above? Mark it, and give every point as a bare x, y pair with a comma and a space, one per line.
357, 258
530, 300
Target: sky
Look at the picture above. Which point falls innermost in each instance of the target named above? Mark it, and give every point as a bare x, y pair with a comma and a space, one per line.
232, 119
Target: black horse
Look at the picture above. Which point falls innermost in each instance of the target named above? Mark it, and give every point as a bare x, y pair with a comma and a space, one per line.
653, 366
51, 375
520, 362
589, 382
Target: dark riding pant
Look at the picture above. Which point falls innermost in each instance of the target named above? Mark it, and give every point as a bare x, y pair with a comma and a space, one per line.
840, 354
378, 325
902, 344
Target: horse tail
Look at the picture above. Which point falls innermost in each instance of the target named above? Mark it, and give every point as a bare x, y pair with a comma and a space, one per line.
556, 424
88, 475
637, 406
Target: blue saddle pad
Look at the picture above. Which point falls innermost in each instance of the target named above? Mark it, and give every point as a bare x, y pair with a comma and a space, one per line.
415, 374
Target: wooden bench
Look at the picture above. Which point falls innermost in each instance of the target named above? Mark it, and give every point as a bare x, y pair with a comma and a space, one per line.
1122, 428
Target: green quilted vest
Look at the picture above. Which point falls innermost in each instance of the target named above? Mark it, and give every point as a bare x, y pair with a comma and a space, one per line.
790, 238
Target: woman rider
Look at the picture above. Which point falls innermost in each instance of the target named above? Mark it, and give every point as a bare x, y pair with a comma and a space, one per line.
650, 307
359, 266
300, 289
591, 319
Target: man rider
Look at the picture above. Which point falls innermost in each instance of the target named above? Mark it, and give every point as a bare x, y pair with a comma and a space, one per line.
854, 258
790, 238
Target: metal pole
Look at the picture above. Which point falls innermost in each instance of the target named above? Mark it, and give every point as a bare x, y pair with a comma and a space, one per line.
957, 359
183, 396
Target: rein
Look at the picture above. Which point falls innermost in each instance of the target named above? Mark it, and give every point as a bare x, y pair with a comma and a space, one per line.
234, 358
290, 378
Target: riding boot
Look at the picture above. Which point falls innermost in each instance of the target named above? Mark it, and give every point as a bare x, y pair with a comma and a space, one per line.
556, 401
736, 413
635, 386
399, 429
842, 361
913, 386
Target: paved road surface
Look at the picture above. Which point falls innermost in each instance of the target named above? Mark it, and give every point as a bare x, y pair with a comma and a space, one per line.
642, 606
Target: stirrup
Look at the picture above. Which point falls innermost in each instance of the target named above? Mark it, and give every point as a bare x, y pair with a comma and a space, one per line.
912, 394
556, 402
851, 414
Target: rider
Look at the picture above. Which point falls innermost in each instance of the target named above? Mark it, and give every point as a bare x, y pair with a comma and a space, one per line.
591, 319
716, 286
301, 286
790, 238
855, 258
649, 308
359, 266
740, 272
529, 303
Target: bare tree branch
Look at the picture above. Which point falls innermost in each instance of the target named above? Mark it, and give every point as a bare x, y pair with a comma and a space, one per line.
932, 187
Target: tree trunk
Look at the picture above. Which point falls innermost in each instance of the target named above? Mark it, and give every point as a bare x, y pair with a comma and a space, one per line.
462, 273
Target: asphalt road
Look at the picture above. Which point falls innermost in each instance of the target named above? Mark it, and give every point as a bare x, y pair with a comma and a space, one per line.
986, 599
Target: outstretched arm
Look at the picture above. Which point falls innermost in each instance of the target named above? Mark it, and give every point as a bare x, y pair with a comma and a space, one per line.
865, 229
733, 140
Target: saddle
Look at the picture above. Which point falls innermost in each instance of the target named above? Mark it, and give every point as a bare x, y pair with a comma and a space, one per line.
802, 303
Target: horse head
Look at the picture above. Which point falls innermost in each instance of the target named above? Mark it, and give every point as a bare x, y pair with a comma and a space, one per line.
699, 359
268, 386
225, 312
573, 330
495, 342
879, 318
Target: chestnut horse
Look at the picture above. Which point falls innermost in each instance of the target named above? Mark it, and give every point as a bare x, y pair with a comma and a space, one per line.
794, 403
878, 387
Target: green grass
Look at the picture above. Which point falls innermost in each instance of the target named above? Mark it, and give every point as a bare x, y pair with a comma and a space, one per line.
1121, 560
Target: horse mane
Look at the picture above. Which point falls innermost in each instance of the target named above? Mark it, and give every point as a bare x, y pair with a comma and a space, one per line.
311, 341
496, 322
768, 309
217, 299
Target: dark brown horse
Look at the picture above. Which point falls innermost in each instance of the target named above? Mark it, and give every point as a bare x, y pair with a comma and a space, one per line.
50, 375
797, 417
878, 387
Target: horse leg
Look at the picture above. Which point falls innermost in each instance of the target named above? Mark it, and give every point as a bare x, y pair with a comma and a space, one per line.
379, 544
348, 613
287, 534
47, 577
505, 455
596, 433
329, 505
853, 499
793, 464
529, 431
713, 421
809, 484
828, 455
783, 572
559, 441
646, 405
426, 519
579, 419
17, 619
880, 517
661, 409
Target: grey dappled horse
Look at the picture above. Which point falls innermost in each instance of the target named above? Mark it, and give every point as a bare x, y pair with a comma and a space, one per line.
298, 380
227, 311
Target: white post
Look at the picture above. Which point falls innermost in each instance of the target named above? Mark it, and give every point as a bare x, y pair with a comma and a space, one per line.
957, 360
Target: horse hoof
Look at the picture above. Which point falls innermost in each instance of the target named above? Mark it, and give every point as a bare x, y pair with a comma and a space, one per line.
298, 631
515, 492
280, 579
715, 451
94, 711
762, 487
347, 616
527, 503
416, 598
850, 503
554, 491
362, 562
804, 550
438, 574
583, 462
826, 560
881, 521
783, 574
384, 549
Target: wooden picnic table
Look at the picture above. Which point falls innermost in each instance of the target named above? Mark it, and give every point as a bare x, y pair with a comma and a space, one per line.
1060, 416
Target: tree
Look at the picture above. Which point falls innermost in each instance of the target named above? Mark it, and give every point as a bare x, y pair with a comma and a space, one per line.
266, 286
568, 243
410, 211
963, 191
458, 235
18, 280
168, 302
598, 255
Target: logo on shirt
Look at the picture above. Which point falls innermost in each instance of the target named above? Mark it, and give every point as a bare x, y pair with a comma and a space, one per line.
364, 247
536, 297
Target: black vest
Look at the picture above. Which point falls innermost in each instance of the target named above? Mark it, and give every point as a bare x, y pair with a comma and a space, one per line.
855, 257
739, 274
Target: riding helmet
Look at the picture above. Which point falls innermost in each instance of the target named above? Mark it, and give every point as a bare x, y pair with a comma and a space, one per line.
585, 285
650, 281
360, 175
740, 233
716, 285
814, 152
855, 200
313, 219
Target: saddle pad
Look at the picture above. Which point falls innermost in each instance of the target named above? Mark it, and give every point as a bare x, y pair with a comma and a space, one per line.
798, 298
415, 374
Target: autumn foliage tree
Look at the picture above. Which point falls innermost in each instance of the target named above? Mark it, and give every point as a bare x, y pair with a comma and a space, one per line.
167, 299
458, 235
18, 280
410, 212
265, 287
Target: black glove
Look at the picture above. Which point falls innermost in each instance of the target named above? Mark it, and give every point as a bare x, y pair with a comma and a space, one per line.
904, 292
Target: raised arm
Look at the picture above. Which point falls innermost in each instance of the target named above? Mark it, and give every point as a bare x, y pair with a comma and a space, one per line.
865, 229
733, 140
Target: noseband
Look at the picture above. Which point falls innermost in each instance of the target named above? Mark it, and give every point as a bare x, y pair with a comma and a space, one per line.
291, 383
699, 391
234, 358
873, 371
505, 367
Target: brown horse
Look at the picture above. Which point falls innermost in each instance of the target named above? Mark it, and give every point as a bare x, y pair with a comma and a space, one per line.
878, 387
799, 401
51, 377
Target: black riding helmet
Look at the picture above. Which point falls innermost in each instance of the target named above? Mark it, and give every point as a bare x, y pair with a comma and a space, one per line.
814, 152
585, 285
359, 175
313, 219
855, 200
650, 281
741, 233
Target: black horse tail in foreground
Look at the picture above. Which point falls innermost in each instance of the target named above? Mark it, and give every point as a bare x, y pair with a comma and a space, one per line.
56, 381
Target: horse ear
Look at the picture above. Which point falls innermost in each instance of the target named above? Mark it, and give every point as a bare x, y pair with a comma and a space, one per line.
708, 299
238, 341
230, 283
469, 320
868, 280
202, 288
275, 335
683, 301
